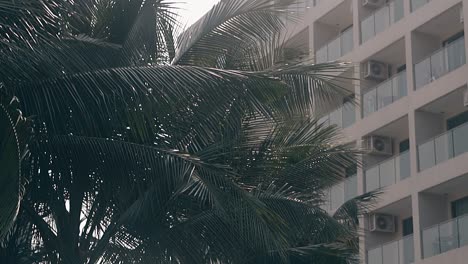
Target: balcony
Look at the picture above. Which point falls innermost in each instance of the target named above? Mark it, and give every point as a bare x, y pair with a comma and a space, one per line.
381, 19
388, 172
444, 147
445, 236
416, 4
384, 94
440, 63
340, 193
397, 252
336, 48
342, 117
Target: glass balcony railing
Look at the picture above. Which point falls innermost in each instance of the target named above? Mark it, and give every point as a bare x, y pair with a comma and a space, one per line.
342, 117
444, 147
388, 172
440, 63
381, 19
397, 252
384, 94
340, 193
336, 48
415, 4
445, 236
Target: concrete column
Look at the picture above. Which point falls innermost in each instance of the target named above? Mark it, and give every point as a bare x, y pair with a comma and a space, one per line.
413, 142
312, 47
407, 5
361, 190
409, 63
356, 7
411, 112
357, 90
465, 16
416, 227
412, 137
362, 242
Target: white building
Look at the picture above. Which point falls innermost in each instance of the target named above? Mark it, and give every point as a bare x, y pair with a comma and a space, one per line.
410, 56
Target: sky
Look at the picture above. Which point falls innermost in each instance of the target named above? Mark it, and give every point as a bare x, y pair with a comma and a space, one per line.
192, 10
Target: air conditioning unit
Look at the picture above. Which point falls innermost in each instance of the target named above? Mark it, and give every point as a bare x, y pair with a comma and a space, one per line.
378, 145
373, 3
382, 223
465, 98
375, 70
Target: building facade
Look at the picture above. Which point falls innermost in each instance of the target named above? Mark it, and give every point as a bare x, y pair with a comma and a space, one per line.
410, 82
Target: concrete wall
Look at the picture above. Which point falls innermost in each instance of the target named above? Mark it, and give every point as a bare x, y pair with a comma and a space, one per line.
428, 125
424, 45
433, 209
326, 33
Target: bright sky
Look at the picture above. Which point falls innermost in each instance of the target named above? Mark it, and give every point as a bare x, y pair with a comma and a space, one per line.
192, 10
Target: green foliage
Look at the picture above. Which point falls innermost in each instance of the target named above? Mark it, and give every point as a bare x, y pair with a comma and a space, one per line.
14, 136
149, 149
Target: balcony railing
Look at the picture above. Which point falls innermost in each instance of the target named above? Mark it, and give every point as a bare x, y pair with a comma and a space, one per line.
384, 94
444, 147
381, 19
342, 117
397, 252
388, 172
445, 236
340, 193
415, 4
336, 48
440, 63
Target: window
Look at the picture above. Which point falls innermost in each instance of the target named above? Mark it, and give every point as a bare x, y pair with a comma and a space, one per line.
401, 68
460, 207
404, 145
457, 120
453, 38
407, 225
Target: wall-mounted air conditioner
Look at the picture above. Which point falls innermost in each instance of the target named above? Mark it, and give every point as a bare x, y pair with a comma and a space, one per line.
382, 223
378, 145
375, 70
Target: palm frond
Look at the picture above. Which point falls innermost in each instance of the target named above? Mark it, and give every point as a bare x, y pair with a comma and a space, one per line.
14, 137
135, 160
357, 207
227, 26
10, 176
25, 22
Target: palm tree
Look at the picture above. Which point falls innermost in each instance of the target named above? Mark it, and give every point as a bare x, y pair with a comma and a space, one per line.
151, 150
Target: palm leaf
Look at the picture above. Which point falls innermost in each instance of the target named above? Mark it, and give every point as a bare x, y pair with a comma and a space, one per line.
227, 26
13, 143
